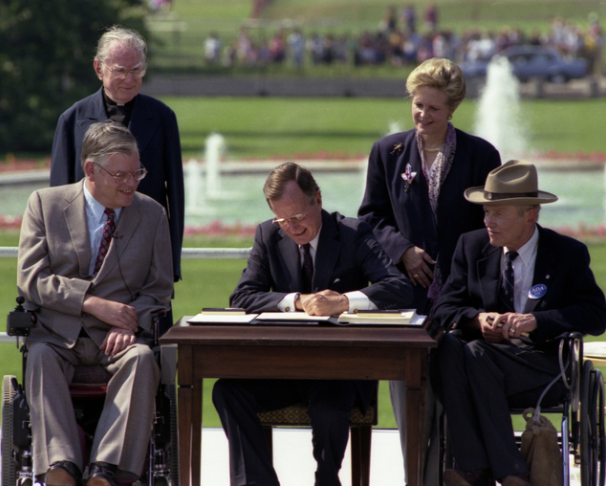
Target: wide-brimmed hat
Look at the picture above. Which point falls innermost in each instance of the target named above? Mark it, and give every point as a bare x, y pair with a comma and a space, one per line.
514, 183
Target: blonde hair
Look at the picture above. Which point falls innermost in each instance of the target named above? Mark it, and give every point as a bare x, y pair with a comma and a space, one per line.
441, 74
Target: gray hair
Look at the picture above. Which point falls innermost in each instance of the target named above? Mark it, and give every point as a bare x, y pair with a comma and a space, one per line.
107, 138
523, 209
123, 36
284, 173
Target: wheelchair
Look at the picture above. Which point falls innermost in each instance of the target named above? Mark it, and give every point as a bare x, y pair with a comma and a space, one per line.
582, 433
87, 391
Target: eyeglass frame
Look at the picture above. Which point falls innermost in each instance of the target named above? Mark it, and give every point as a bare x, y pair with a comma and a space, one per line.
141, 170
297, 218
127, 71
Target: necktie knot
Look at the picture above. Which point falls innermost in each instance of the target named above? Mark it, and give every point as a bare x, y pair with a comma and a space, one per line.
511, 256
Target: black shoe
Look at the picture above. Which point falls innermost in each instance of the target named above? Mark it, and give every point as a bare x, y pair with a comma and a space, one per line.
63, 473
101, 474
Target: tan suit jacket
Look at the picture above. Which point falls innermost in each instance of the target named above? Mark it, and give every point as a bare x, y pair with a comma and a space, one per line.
54, 260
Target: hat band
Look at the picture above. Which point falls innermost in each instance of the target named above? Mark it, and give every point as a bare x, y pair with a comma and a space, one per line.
496, 196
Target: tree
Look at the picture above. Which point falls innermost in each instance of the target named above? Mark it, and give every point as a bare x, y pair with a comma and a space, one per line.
46, 62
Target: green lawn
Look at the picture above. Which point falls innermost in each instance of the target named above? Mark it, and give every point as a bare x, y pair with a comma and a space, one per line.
263, 127
208, 283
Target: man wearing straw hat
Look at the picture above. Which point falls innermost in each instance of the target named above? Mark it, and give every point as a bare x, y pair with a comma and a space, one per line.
513, 288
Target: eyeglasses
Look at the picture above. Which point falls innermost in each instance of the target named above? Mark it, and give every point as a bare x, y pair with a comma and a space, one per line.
124, 177
120, 72
297, 218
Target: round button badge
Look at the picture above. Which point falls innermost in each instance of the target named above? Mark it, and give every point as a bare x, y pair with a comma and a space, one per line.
537, 291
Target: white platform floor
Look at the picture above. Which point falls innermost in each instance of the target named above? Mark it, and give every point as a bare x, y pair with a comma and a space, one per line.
295, 464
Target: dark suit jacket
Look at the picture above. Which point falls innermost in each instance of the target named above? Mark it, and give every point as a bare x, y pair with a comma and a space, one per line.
573, 301
348, 257
154, 126
403, 218
55, 255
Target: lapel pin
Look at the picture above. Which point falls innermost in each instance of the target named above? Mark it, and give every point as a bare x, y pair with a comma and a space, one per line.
537, 291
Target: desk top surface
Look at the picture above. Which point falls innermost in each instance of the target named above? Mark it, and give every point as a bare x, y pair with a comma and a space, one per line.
274, 335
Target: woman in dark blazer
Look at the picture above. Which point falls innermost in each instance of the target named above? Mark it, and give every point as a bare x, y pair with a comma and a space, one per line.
414, 189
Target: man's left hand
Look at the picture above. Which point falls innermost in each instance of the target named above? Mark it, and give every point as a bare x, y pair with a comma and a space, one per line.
325, 303
516, 324
116, 340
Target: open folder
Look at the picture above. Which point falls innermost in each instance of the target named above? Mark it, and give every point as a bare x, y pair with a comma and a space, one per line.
403, 317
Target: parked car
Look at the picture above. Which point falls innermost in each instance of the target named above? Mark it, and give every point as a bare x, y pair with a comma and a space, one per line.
533, 62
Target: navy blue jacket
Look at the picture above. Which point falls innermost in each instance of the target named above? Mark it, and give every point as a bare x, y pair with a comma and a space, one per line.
154, 126
402, 218
573, 301
348, 257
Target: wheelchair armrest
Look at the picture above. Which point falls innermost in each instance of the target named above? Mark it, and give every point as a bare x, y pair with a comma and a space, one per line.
156, 316
20, 321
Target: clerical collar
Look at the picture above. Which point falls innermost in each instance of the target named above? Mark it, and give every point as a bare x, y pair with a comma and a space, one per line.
118, 112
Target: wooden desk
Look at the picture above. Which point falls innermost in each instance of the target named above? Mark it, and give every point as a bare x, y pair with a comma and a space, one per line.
296, 352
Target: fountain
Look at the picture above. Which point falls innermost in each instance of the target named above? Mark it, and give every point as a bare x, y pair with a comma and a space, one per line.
498, 117
195, 202
215, 147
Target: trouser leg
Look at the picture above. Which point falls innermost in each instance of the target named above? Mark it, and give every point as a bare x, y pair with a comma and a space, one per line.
500, 377
330, 405
397, 394
124, 428
432, 465
49, 372
451, 385
237, 403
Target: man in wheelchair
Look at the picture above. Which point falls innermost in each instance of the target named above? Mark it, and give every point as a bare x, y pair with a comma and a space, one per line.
514, 287
94, 263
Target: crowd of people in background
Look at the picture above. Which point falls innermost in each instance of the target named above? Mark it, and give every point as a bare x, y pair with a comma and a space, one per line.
401, 39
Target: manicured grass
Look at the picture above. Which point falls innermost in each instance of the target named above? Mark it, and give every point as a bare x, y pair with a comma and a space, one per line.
207, 283
263, 127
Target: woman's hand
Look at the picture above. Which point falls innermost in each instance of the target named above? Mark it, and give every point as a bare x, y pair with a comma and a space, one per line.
415, 262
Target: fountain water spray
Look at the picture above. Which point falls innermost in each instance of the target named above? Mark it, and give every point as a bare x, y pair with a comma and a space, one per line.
194, 196
215, 147
498, 117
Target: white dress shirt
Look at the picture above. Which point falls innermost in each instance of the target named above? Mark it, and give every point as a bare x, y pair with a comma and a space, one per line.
523, 270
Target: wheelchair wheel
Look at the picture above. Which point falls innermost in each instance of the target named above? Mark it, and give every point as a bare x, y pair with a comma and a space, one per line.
9, 475
600, 429
163, 468
592, 439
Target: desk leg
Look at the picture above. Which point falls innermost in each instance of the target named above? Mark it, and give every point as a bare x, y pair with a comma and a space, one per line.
185, 367
416, 370
196, 439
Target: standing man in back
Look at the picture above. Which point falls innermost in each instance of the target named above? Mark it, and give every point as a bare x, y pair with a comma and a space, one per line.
120, 64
